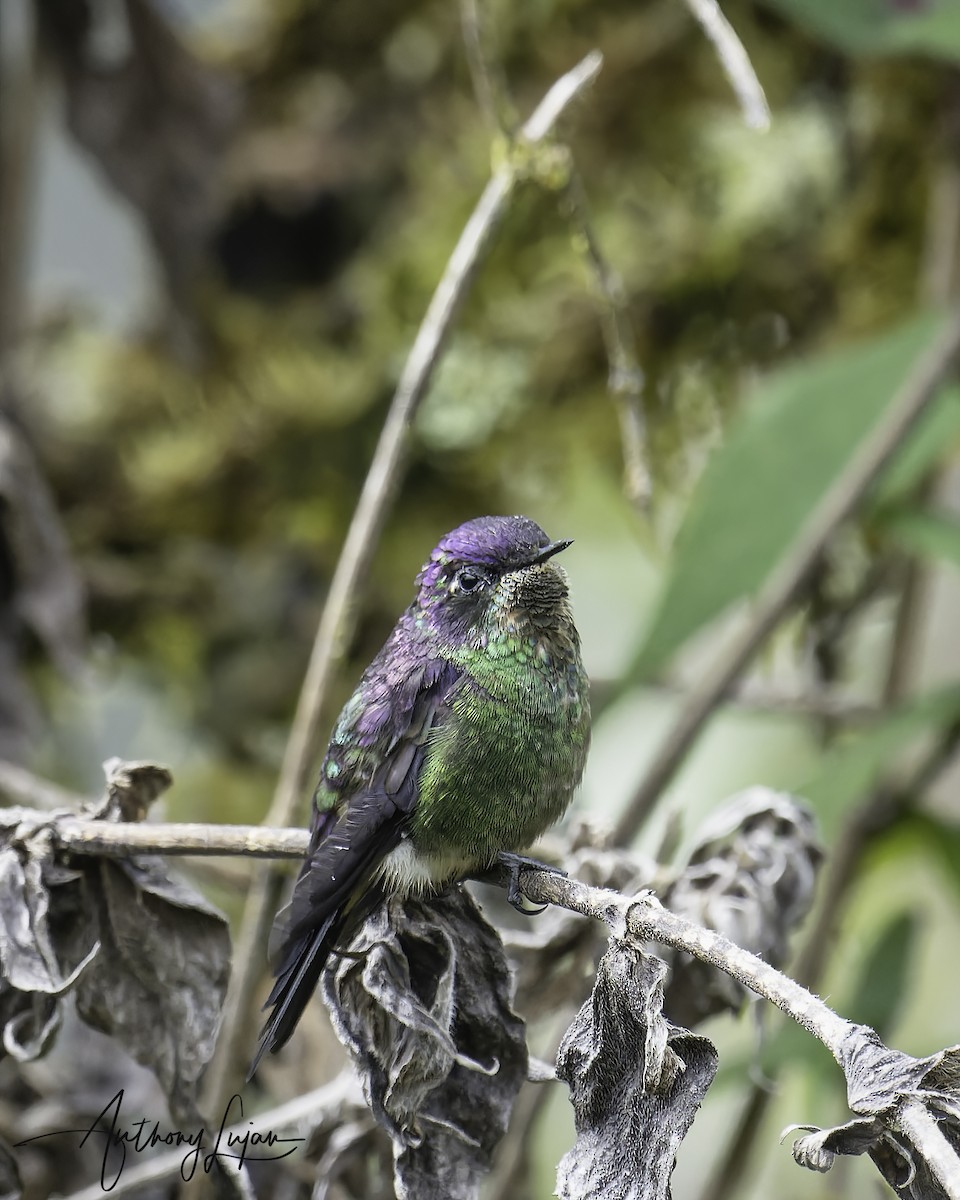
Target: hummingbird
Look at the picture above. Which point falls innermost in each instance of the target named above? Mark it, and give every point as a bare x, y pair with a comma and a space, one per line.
463, 741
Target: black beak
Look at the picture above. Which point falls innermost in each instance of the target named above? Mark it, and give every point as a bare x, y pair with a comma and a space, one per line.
550, 551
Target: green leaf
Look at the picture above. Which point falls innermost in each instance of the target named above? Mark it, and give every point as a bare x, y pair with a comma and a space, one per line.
853, 768
935, 437
880, 991
942, 838
928, 534
875, 27
794, 439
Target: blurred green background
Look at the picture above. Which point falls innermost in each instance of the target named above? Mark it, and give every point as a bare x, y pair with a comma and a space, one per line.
221, 226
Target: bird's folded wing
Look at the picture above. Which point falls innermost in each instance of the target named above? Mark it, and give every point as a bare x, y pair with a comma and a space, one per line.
348, 842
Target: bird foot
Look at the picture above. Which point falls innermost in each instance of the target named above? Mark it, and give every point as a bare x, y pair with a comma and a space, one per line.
515, 863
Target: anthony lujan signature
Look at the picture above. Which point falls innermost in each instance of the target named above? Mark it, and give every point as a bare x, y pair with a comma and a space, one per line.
120, 1138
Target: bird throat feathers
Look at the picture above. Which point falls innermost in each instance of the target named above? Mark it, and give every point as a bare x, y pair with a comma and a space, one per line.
529, 604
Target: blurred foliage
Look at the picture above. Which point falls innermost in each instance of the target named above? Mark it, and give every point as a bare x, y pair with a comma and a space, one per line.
773, 469
207, 456
878, 27
224, 485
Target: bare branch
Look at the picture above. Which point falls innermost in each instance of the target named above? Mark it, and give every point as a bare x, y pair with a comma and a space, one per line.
734, 60
625, 378
23, 787
362, 536
643, 918
486, 73
118, 839
19, 93
640, 917
784, 584
880, 1081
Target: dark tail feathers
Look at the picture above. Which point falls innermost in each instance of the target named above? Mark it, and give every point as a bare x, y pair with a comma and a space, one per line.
297, 977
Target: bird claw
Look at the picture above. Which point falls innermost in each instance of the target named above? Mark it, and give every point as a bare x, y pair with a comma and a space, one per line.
515, 863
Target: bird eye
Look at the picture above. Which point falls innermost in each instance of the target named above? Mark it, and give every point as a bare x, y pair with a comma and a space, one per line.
468, 581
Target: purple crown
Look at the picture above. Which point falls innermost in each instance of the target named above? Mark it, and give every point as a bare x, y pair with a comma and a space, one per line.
499, 543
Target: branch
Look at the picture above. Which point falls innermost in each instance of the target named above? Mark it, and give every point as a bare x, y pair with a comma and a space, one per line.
116, 840
785, 583
362, 536
23, 787
880, 1082
19, 93
642, 918
734, 60
625, 376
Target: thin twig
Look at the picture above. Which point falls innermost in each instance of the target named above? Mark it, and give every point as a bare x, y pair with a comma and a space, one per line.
788, 578
378, 489
23, 787
486, 73
734, 60
19, 87
625, 376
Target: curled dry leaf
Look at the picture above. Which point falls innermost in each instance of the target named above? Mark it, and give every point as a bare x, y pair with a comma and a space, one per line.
158, 982
629, 1069
424, 1003
131, 788
146, 958
750, 877
33, 975
878, 1081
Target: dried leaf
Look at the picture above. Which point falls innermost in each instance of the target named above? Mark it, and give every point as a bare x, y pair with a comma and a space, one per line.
878, 1080
750, 877
131, 788
146, 957
32, 975
424, 1003
158, 983
635, 1081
